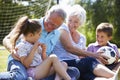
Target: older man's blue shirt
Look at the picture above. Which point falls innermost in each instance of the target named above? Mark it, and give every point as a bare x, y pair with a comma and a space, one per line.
49, 39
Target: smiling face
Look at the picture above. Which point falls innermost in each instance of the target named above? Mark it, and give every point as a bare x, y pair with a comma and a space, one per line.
102, 38
104, 33
52, 22
73, 22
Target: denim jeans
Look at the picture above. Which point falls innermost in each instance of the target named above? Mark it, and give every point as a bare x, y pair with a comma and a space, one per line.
85, 65
16, 71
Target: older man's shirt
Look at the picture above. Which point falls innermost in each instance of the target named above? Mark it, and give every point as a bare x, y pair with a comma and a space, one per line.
49, 39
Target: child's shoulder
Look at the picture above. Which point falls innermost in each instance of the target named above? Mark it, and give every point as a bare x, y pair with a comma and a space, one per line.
112, 44
91, 47
92, 44
24, 44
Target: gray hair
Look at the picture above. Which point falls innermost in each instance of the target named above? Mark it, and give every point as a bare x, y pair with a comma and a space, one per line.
59, 10
78, 11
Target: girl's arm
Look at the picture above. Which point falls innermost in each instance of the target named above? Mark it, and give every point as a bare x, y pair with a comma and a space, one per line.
27, 60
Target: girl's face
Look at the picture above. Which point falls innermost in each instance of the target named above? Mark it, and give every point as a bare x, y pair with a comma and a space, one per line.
73, 22
35, 36
102, 38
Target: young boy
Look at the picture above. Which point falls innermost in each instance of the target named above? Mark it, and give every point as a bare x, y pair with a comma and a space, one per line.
104, 33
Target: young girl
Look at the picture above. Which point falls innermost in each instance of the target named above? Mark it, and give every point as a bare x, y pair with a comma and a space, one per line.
33, 53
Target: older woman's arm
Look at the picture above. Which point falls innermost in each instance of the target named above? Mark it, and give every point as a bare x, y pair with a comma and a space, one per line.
66, 42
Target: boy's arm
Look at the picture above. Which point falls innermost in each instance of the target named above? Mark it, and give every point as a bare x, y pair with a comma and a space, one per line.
117, 53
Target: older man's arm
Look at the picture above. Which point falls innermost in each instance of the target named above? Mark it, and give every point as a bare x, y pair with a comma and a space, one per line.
10, 40
9, 44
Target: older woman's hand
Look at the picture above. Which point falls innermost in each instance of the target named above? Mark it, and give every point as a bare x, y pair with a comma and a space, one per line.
103, 59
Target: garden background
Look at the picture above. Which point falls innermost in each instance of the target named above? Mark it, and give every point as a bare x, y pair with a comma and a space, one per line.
97, 11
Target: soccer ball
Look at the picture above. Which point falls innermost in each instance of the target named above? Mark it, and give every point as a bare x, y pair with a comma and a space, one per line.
109, 52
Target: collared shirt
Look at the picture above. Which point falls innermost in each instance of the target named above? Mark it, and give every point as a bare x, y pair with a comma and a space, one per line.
93, 47
49, 39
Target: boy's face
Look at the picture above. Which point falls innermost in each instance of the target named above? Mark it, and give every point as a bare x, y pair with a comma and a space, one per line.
102, 38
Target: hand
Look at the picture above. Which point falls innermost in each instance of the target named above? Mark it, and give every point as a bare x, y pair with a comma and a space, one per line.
14, 54
43, 46
117, 58
102, 58
35, 46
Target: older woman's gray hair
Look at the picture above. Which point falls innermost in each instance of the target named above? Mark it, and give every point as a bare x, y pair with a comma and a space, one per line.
79, 11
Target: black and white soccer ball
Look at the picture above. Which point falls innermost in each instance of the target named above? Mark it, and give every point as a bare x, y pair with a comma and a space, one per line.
109, 52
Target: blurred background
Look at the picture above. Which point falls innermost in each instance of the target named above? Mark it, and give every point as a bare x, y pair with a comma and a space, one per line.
97, 11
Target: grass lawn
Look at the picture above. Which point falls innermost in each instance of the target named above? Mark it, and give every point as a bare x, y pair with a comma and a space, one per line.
3, 59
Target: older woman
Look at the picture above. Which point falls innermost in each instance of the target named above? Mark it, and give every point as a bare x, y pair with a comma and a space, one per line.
75, 20
71, 45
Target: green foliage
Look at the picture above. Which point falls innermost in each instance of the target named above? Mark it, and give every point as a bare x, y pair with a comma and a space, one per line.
11, 10
99, 11
3, 56
38, 8
9, 13
116, 22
